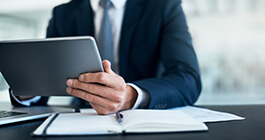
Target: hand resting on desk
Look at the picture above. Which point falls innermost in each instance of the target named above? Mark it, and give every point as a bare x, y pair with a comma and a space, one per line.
106, 91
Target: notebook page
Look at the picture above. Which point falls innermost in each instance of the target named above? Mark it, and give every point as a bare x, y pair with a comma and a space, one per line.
83, 124
159, 121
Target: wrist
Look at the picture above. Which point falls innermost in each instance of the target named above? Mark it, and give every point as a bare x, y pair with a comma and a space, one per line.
131, 97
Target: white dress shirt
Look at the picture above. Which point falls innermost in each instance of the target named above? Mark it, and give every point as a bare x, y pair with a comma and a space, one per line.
116, 13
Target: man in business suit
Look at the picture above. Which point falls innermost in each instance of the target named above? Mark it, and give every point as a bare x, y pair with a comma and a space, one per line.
154, 61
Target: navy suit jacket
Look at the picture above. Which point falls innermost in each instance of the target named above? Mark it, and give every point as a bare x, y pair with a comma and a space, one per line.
155, 48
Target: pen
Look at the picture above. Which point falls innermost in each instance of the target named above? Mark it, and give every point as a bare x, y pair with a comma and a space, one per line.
119, 117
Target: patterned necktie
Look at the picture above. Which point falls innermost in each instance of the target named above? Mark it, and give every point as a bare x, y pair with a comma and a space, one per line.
105, 39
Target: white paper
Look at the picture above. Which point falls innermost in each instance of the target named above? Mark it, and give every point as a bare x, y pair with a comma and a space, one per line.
207, 115
200, 114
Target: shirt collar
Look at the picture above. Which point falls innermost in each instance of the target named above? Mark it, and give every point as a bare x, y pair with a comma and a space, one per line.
118, 4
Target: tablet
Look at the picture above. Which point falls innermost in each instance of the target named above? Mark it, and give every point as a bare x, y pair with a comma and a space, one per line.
42, 66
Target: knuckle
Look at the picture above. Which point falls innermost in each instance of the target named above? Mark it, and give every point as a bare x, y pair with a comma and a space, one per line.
73, 92
76, 84
113, 106
87, 77
121, 79
89, 98
123, 87
119, 87
101, 77
104, 112
118, 98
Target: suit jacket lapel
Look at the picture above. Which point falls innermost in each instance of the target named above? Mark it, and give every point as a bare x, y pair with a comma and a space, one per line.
130, 20
85, 19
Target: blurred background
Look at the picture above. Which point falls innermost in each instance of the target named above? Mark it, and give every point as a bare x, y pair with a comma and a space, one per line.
228, 36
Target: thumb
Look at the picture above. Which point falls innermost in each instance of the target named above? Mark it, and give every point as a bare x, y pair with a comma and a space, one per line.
107, 66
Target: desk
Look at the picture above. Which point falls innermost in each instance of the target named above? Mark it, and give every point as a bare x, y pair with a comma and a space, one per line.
252, 128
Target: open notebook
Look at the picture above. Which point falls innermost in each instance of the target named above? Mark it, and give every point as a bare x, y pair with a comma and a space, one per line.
133, 121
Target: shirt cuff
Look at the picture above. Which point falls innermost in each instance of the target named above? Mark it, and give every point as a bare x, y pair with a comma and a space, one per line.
27, 102
142, 99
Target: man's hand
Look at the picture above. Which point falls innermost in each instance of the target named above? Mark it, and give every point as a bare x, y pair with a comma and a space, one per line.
106, 91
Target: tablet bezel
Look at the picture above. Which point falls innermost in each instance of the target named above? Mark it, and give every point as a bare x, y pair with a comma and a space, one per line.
40, 67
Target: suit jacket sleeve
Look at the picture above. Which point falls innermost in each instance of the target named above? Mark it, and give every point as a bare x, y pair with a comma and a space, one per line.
180, 83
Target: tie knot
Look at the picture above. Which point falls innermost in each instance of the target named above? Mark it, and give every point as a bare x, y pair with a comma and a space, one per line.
105, 4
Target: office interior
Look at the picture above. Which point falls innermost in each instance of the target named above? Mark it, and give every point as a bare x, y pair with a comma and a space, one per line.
228, 36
